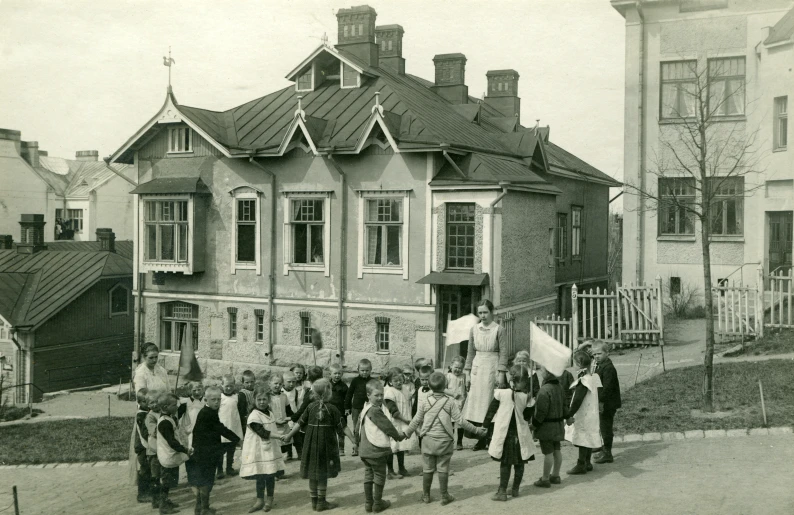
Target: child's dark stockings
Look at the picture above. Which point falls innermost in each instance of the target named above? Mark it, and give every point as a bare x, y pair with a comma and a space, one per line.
265, 483
504, 475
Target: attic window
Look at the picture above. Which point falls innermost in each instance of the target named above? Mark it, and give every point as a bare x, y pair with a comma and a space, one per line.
350, 77
305, 80
180, 139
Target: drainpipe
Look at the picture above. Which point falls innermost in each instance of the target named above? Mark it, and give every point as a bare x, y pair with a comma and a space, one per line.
640, 268
342, 258
272, 289
498, 199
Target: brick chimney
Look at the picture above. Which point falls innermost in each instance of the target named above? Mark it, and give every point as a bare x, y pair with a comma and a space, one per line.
106, 239
29, 150
6, 242
390, 47
502, 92
43, 153
357, 33
87, 155
32, 234
451, 78
12, 137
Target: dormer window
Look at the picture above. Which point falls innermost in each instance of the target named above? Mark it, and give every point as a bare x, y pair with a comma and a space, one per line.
305, 82
350, 77
180, 139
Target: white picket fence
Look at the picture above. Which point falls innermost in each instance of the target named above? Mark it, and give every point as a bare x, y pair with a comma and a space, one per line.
747, 311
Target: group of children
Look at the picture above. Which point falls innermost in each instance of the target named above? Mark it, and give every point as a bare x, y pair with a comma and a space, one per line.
390, 418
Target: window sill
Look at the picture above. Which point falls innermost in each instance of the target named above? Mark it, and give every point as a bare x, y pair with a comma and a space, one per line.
716, 238
731, 118
232, 340
180, 154
259, 342
120, 314
779, 149
245, 266
165, 266
676, 237
382, 270
676, 121
306, 268
382, 353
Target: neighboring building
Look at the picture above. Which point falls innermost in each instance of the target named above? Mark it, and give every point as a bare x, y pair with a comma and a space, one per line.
75, 195
753, 223
363, 202
66, 311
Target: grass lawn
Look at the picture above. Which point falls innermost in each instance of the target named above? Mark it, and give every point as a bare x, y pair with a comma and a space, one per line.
66, 441
780, 342
665, 402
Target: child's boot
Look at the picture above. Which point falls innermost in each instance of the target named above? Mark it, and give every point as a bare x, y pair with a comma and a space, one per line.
323, 505
519, 475
165, 506
144, 494
314, 503
197, 508
579, 469
443, 484
378, 503
258, 505
368, 497
500, 495
587, 464
268, 503
205, 501
155, 495
427, 482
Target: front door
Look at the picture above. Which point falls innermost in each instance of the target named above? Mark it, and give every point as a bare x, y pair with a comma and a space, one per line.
454, 302
780, 242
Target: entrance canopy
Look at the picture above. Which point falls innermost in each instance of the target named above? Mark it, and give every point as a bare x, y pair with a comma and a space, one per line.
454, 279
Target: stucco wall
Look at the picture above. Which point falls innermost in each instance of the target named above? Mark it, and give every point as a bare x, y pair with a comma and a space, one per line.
21, 192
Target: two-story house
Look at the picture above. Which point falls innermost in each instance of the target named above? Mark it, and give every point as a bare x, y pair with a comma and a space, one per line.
742, 50
362, 202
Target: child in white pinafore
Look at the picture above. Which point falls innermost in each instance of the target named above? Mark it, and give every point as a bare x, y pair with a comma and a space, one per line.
231, 413
280, 410
456, 388
189, 408
262, 460
399, 408
584, 429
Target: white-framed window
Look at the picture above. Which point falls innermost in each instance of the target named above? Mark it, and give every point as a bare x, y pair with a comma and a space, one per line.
232, 323
562, 237
382, 335
461, 231
576, 232
306, 329
119, 300
180, 139
307, 231
383, 232
178, 324
349, 77
72, 221
727, 205
781, 123
726, 86
260, 325
674, 195
166, 230
678, 89
305, 80
246, 229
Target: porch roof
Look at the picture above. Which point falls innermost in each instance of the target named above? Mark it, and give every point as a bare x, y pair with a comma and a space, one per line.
454, 279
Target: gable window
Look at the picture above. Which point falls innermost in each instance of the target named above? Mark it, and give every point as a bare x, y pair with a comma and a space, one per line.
674, 196
166, 230
305, 82
180, 139
119, 298
562, 236
780, 128
349, 76
678, 89
178, 324
260, 325
246, 239
727, 205
460, 236
306, 329
382, 333
307, 234
726, 86
576, 232
232, 323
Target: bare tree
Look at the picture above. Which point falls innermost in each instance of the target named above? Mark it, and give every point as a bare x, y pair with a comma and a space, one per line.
705, 152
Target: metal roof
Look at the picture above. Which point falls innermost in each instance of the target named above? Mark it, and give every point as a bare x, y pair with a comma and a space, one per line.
72, 178
782, 31
561, 158
454, 279
53, 279
124, 248
172, 185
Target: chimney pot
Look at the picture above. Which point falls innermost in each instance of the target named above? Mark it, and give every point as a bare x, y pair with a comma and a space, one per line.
32, 234
389, 39
30, 152
357, 33
503, 92
6, 241
107, 239
87, 155
451, 78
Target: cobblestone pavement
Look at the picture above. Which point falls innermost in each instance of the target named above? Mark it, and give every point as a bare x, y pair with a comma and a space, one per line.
705, 476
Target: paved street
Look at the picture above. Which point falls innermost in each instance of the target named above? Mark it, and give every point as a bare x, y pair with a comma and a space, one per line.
708, 476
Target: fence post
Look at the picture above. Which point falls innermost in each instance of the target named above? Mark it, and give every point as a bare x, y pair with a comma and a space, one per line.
659, 309
574, 318
759, 302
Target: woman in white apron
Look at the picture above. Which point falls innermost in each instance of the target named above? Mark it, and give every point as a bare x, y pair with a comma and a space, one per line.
486, 366
583, 428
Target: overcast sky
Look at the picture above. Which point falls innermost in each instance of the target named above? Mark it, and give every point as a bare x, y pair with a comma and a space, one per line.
85, 75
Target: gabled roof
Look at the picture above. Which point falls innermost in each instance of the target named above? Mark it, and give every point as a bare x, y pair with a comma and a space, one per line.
52, 280
783, 30
172, 185
72, 178
562, 160
124, 248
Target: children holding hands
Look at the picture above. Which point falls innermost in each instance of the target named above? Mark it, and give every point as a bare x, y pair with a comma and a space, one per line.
232, 413
456, 388
399, 409
582, 427
172, 450
548, 426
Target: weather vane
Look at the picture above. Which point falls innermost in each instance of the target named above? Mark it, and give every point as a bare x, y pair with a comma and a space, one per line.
168, 61
325, 39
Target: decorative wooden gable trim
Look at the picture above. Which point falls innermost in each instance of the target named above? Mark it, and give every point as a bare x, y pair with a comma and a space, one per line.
298, 122
376, 119
293, 75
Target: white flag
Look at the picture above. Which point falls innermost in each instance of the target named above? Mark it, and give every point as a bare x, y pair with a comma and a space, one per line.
547, 351
458, 330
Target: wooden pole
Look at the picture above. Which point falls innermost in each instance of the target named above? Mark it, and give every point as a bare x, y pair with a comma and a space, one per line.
763, 404
16, 500
637, 374
108, 405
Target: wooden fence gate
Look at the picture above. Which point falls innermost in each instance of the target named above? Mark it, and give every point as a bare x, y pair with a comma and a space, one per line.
747, 311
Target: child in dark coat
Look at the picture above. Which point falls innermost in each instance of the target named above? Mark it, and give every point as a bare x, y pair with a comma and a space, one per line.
141, 443
548, 424
338, 394
608, 398
207, 449
357, 393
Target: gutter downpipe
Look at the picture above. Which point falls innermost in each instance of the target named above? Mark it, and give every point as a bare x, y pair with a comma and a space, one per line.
272, 293
640, 269
342, 258
498, 199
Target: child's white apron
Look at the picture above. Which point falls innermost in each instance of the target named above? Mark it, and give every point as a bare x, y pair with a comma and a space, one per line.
510, 405
404, 407
261, 456
586, 428
229, 415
